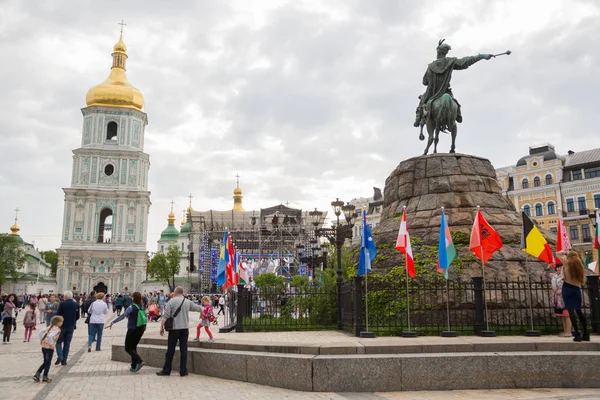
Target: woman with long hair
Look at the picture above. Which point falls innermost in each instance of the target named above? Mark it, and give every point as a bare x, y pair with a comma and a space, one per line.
559, 304
573, 275
9, 314
136, 326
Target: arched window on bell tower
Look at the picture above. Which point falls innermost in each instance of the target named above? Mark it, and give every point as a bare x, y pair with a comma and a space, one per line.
105, 226
111, 131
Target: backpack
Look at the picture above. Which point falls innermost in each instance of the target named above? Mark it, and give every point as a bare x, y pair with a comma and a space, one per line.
209, 314
29, 320
142, 318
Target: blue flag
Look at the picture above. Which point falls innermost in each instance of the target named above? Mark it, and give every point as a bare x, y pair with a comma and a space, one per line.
221, 269
367, 248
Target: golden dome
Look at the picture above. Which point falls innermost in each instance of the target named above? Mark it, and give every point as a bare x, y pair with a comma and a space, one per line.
116, 91
15, 229
171, 218
237, 191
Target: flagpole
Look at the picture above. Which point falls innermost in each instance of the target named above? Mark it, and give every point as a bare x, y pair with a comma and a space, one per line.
448, 303
532, 332
408, 333
367, 298
487, 322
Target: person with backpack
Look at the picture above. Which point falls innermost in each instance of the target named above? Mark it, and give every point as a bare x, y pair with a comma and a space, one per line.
48, 339
29, 322
126, 301
136, 326
207, 316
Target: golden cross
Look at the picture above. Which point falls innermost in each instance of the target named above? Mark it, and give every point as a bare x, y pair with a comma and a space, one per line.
172, 202
16, 214
190, 196
237, 178
122, 25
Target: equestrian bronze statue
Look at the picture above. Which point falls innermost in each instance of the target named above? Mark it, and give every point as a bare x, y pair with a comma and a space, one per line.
438, 109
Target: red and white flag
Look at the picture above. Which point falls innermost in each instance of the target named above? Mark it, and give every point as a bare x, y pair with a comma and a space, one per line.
403, 246
563, 243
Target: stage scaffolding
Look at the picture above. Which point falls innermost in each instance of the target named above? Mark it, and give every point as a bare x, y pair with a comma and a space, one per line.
272, 240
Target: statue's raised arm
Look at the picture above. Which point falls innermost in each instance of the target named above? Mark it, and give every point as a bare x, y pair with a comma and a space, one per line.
438, 101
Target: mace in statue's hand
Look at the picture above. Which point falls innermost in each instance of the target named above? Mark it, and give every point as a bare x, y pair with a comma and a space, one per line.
486, 56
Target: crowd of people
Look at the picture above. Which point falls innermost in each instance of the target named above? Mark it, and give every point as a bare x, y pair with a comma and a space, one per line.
61, 313
58, 315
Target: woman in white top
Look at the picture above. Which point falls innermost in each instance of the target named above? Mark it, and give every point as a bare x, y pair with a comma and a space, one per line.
96, 312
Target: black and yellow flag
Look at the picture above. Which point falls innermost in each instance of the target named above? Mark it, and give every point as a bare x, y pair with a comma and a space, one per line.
532, 241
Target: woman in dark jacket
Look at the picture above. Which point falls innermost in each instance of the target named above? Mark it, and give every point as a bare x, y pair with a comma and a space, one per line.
134, 332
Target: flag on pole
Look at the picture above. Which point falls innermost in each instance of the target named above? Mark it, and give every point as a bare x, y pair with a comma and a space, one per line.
368, 251
403, 246
484, 239
596, 242
532, 241
221, 268
446, 250
563, 243
229, 264
244, 278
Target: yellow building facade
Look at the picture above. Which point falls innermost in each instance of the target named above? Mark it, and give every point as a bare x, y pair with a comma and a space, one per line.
544, 184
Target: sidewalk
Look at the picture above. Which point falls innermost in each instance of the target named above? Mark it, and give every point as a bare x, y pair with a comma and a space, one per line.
90, 375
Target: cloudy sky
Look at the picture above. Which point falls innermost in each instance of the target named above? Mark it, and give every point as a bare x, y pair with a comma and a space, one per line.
308, 100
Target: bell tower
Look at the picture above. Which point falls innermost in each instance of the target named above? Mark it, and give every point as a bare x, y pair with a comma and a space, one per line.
107, 205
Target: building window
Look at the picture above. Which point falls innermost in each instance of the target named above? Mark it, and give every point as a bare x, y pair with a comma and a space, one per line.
527, 210
548, 179
77, 263
570, 205
577, 175
592, 172
539, 210
585, 232
551, 208
525, 184
554, 230
574, 233
162, 249
597, 201
581, 204
182, 246
111, 131
105, 226
536, 181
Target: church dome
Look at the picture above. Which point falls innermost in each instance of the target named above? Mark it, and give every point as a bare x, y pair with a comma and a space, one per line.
170, 234
186, 228
116, 91
15, 232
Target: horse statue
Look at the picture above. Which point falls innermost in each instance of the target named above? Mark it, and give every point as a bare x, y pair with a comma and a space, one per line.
440, 118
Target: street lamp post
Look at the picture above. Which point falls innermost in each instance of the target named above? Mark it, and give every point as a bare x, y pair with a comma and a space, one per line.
337, 235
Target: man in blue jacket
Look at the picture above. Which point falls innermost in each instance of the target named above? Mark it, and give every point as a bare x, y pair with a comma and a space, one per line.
69, 310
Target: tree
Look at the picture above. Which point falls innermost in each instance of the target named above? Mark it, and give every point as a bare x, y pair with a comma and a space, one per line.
163, 268
12, 257
298, 281
51, 258
270, 282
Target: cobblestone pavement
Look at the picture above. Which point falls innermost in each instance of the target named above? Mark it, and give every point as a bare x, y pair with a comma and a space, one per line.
89, 375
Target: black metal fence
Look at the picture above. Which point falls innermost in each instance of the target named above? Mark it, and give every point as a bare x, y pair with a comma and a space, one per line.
295, 309
430, 307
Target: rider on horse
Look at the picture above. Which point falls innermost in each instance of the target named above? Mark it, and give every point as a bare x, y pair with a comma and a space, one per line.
437, 78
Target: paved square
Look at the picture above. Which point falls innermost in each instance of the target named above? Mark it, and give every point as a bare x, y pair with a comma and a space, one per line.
91, 375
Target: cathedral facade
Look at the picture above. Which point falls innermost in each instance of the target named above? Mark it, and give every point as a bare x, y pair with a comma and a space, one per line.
106, 207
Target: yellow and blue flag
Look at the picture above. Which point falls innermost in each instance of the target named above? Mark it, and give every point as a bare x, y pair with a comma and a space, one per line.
368, 251
446, 250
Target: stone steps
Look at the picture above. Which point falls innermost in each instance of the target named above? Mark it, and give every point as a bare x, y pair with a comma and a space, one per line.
403, 346
387, 372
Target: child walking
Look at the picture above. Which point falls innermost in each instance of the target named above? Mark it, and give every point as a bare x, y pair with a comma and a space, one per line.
207, 316
48, 337
29, 322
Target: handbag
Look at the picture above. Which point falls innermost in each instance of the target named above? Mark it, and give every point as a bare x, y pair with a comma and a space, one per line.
87, 319
169, 321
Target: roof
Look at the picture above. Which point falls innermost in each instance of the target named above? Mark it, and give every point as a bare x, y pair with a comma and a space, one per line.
169, 234
582, 158
292, 212
547, 151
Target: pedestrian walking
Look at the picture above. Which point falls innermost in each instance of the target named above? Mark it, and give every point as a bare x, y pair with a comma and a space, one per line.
574, 277
48, 337
153, 310
29, 322
177, 313
207, 316
162, 301
51, 309
119, 304
136, 326
41, 307
98, 309
69, 310
8, 315
221, 305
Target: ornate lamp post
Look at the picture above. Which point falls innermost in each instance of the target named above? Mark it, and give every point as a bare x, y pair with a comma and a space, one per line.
337, 235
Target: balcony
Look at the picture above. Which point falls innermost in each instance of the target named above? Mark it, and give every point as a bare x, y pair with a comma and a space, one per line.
587, 240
